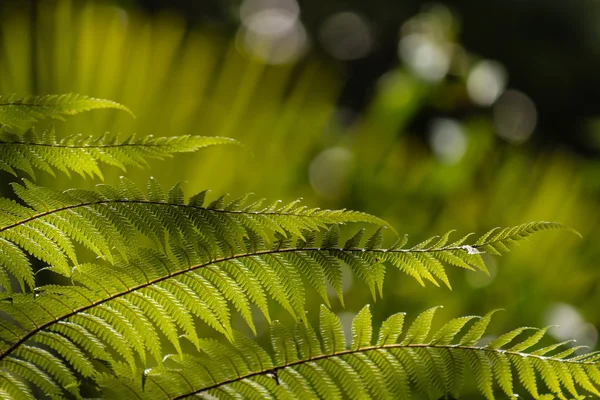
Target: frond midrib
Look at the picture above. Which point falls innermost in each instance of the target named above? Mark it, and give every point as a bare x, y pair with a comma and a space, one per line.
160, 203
367, 349
21, 103
104, 146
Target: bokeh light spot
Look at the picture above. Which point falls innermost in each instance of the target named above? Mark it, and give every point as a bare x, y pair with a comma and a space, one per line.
251, 7
346, 36
486, 82
515, 116
272, 31
424, 56
447, 139
570, 325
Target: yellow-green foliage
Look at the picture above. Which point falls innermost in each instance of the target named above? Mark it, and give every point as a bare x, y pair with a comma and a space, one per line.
390, 365
22, 113
78, 153
135, 322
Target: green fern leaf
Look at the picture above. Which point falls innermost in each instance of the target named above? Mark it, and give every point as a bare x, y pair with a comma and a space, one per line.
419, 329
22, 112
362, 329
211, 259
477, 330
283, 344
306, 340
447, 333
53, 220
391, 329
436, 367
83, 155
497, 240
332, 333
151, 296
507, 338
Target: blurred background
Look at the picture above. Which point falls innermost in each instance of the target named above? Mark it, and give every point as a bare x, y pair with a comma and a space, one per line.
466, 116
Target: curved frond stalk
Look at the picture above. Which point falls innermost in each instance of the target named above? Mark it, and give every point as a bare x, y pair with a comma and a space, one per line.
23, 112
135, 304
81, 154
394, 366
106, 220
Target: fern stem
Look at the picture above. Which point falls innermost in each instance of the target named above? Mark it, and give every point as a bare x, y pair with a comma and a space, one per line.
20, 103
104, 146
159, 203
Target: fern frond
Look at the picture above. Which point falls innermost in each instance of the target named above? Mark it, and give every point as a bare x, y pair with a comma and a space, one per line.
23, 112
81, 154
48, 228
397, 367
107, 219
134, 304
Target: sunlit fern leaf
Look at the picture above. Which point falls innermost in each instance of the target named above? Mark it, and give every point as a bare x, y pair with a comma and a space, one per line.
143, 303
84, 154
107, 219
23, 112
13, 387
497, 240
362, 367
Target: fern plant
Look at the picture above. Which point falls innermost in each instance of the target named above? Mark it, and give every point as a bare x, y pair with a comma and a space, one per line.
139, 320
